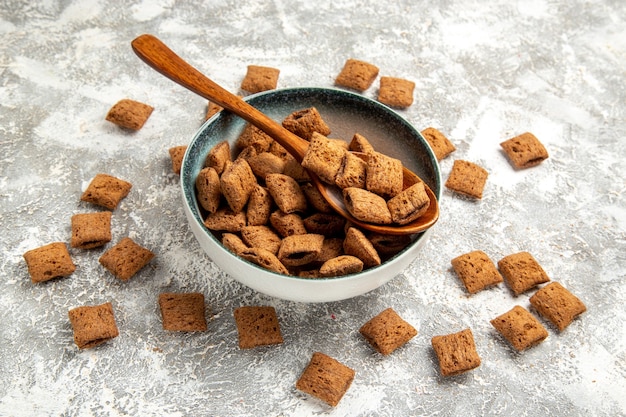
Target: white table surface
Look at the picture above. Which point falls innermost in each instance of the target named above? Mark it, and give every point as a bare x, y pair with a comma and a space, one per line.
484, 72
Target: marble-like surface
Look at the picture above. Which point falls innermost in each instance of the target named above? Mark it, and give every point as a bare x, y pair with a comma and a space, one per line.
484, 71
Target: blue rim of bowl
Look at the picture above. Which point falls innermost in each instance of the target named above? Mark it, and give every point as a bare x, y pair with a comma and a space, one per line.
189, 177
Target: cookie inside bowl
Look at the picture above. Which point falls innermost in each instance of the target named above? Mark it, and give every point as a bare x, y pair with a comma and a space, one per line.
345, 114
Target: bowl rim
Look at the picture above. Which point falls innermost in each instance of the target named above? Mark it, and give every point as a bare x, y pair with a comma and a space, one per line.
194, 211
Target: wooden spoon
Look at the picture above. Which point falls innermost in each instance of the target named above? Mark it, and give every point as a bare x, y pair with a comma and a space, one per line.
157, 55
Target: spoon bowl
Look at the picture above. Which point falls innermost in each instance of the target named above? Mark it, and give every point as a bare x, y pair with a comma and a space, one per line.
157, 55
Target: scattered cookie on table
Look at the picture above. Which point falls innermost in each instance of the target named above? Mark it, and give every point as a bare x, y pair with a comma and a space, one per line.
129, 114
183, 312
440, 144
106, 191
557, 304
259, 78
520, 328
49, 261
91, 230
357, 75
396, 92
176, 156
125, 259
325, 378
305, 122
257, 326
387, 331
522, 272
476, 270
456, 352
467, 178
524, 151
93, 325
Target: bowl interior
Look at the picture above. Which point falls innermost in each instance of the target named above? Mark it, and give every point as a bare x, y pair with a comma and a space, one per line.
346, 113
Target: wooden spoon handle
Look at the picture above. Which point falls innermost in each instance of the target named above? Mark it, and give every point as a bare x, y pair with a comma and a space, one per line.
157, 55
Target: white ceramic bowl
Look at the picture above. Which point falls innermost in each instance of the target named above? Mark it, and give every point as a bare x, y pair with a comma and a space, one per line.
346, 113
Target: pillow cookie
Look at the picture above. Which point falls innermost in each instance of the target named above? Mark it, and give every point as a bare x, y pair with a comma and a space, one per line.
91, 230
456, 352
467, 178
439, 143
106, 191
396, 92
325, 378
520, 328
257, 326
476, 271
357, 75
522, 272
183, 312
125, 259
49, 261
524, 151
557, 304
93, 325
387, 331
259, 78
129, 114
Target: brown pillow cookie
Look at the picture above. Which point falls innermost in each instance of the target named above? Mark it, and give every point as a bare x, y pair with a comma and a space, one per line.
183, 312
387, 331
557, 304
225, 220
357, 75
306, 122
357, 244
524, 151
520, 328
439, 143
476, 270
257, 326
259, 78
456, 352
129, 114
522, 272
467, 178
237, 183
396, 92
91, 230
325, 378
106, 191
125, 259
93, 325
176, 156
49, 261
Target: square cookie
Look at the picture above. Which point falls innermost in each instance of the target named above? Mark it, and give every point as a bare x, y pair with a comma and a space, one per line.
456, 352
522, 272
183, 312
129, 114
387, 331
524, 151
439, 143
557, 304
93, 325
49, 261
176, 156
257, 326
91, 230
520, 328
396, 92
106, 191
125, 259
306, 122
357, 75
476, 271
325, 378
467, 178
259, 79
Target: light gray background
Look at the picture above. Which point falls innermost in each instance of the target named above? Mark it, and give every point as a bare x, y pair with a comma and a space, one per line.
484, 72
